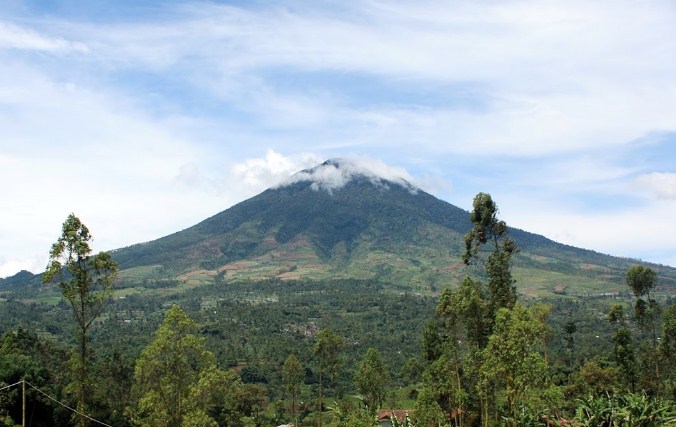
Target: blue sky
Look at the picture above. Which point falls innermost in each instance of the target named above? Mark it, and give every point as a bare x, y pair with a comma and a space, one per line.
145, 117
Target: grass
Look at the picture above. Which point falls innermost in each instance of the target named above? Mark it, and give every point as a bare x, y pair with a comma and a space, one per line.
140, 273
541, 283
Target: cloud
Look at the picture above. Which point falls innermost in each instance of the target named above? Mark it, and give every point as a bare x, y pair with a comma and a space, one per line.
659, 184
338, 172
162, 119
11, 267
620, 232
258, 174
543, 77
15, 37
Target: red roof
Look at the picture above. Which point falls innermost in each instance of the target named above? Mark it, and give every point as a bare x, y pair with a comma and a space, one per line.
388, 414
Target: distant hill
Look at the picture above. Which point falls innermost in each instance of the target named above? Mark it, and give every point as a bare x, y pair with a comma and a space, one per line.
342, 221
338, 220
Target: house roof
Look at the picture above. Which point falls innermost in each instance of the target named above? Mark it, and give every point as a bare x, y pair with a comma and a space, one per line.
388, 414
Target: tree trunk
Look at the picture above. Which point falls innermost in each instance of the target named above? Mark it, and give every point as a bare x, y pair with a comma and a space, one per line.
321, 391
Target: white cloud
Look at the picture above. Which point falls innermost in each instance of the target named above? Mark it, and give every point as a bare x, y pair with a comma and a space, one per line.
11, 267
159, 123
338, 172
659, 184
638, 232
552, 76
15, 37
258, 174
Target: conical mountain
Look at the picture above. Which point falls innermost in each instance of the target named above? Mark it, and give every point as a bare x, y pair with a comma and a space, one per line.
340, 220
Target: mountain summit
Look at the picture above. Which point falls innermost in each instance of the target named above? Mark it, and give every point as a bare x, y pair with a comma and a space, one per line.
336, 173
345, 219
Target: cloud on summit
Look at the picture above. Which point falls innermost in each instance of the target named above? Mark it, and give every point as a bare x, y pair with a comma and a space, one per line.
334, 174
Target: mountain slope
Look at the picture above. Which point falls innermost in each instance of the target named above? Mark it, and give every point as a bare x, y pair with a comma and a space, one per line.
337, 221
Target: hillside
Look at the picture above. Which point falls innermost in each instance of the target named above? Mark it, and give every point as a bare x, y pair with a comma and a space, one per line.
336, 221
368, 227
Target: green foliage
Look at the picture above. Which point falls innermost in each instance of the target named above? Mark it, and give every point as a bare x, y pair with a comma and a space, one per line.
487, 227
623, 353
511, 356
366, 229
23, 355
345, 413
641, 280
668, 344
427, 412
86, 282
500, 289
372, 379
292, 374
597, 379
327, 351
411, 371
616, 314
171, 372
629, 410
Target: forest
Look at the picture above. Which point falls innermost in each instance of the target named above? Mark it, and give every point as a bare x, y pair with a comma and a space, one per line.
334, 352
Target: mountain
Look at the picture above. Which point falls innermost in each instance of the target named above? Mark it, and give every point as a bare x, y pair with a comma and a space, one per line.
340, 220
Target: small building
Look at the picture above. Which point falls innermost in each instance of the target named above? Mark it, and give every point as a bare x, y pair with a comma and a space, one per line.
385, 416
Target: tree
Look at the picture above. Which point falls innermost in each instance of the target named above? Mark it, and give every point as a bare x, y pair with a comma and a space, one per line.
173, 374
570, 327
327, 351
427, 412
642, 280
371, 379
411, 372
511, 355
86, 281
292, 373
455, 341
541, 312
616, 314
668, 344
488, 229
623, 352
499, 292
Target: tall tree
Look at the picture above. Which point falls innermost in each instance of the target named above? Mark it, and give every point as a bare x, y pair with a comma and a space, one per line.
86, 281
173, 374
570, 327
623, 347
488, 229
427, 412
327, 351
541, 313
623, 353
642, 280
499, 292
512, 356
292, 373
372, 379
668, 344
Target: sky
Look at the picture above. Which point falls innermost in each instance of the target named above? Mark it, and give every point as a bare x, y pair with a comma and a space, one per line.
145, 117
